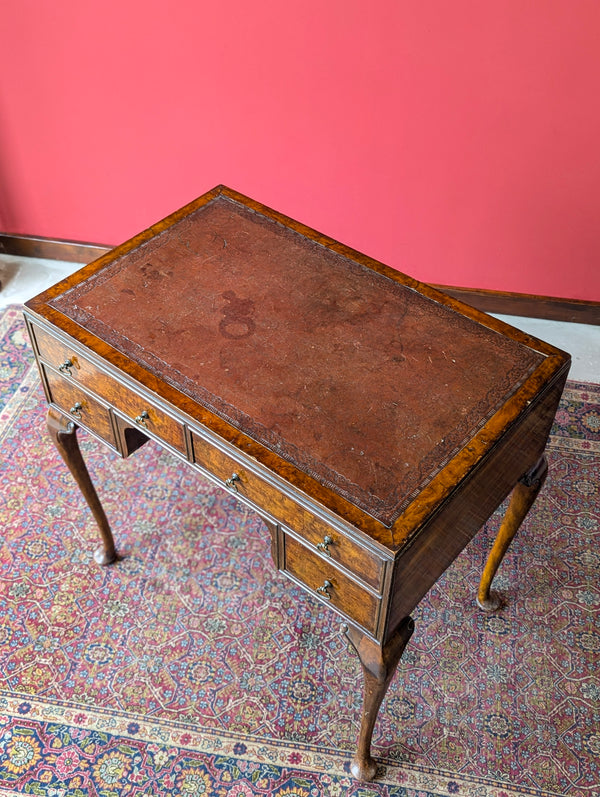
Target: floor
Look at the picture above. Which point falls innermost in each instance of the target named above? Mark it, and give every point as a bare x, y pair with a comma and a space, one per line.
22, 278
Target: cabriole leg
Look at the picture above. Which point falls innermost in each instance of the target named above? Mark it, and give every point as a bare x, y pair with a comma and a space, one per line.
64, 435
521, 501
379, 665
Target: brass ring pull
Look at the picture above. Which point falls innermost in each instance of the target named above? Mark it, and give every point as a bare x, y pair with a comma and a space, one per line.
142, 418
231, 482
75, 410
324, 546
65, 368
323, 590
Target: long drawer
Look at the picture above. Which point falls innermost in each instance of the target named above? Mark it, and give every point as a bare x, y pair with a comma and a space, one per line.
328, 542
68, 361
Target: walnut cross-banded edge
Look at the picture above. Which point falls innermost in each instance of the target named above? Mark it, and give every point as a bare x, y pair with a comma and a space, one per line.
373, 422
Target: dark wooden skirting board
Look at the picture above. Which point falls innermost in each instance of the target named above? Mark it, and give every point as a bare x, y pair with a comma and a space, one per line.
578, 311
519, 304
50, 249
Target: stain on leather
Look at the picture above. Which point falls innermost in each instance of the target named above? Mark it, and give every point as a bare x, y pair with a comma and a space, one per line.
237, 322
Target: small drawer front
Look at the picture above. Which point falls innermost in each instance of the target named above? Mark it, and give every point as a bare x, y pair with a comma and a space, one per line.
330, 543
327, 582
146, 417
137, 408
64, 359
339, 548
81, 407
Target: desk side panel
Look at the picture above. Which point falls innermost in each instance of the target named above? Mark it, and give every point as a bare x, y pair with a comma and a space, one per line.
440, 541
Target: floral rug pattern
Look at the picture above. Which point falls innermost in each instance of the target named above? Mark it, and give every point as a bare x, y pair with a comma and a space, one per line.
192, 667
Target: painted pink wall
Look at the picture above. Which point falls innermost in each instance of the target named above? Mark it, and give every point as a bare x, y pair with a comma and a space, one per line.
457, 140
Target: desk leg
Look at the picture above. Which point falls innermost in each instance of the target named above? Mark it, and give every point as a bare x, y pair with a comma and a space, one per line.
521, 501
64, 436
379, 665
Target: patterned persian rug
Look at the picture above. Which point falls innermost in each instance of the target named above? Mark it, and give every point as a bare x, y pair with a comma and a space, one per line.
192, 667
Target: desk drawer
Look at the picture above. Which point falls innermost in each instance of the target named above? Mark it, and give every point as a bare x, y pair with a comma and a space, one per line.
80, 406
328, 583
65, 359
76, 367
145, 416
330, 543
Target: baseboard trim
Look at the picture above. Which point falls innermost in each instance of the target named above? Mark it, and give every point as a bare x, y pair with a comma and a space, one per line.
577, 311
50, 248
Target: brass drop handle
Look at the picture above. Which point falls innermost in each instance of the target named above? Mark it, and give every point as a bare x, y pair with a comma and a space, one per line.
232, 481
142, 418
76, 410
324, 546
65, 368
322, 590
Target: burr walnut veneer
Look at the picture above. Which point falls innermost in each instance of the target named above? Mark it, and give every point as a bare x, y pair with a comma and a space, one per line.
372, 421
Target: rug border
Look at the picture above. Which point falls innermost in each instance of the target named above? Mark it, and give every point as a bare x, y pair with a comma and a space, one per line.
275, 752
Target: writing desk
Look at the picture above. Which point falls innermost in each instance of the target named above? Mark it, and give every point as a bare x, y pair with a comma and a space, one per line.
373, 422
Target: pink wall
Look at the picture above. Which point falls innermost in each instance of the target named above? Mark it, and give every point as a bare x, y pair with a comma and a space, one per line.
457, 140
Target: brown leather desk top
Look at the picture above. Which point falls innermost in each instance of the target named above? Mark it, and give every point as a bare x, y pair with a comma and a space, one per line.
359, 377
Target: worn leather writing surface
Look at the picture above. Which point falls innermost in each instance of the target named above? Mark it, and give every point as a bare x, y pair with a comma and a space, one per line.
360, 381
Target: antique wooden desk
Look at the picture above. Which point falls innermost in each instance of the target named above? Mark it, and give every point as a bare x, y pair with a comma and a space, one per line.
373, 422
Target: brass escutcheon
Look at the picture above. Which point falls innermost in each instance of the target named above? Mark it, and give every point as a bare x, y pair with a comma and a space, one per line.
324, 546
